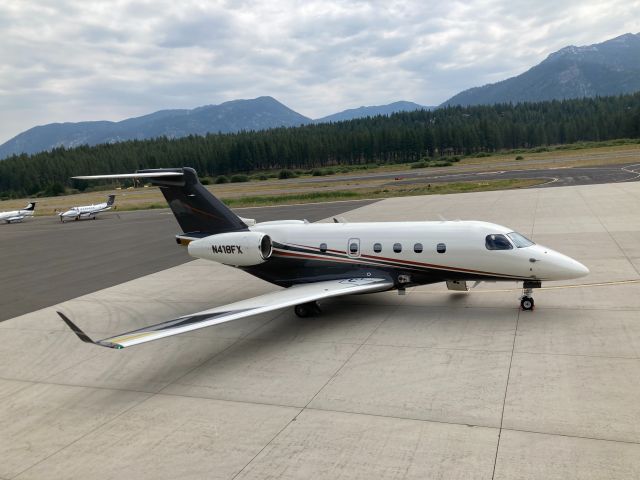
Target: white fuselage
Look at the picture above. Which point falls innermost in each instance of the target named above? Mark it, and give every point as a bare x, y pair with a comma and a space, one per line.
15, 216
456, 248
87, 211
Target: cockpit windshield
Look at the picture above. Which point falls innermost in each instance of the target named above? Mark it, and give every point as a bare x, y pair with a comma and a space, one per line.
497, 242
520, 241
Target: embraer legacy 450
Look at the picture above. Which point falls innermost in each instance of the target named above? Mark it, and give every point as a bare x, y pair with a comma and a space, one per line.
18, 215
322, 260
88, 211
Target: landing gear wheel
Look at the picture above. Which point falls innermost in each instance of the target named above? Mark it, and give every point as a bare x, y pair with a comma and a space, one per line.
527, 303
305, 310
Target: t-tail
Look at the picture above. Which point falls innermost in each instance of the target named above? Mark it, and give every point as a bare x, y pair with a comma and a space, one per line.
197, 210
31, 206
111, 200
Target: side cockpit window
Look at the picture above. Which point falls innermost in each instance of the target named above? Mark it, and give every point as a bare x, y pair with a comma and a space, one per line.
519, 241
497, 242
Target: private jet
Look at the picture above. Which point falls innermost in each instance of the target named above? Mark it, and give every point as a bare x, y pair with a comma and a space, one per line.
315, 261
88, 211
18, 215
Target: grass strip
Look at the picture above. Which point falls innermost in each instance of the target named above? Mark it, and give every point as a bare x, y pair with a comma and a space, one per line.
434, 189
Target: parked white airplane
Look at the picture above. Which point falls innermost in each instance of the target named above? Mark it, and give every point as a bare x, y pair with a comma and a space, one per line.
18, 215
88, 211
317, 261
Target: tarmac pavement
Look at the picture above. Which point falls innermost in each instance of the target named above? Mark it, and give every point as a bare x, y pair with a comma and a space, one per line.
433, 384
45, 262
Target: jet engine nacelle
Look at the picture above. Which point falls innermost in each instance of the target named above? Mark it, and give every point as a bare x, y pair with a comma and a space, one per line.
239, 249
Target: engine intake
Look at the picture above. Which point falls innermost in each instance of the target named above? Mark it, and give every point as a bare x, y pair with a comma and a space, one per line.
239, 249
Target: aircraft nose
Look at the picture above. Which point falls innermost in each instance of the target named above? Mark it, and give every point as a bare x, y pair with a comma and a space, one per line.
556, 266
577, 269
566, 268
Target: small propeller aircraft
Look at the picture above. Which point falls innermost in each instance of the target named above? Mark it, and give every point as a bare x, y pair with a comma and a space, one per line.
88, 211
18, 215
314, 261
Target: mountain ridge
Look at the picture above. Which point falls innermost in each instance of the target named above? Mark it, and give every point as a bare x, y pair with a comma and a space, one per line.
233, 116
607, 68
372, 111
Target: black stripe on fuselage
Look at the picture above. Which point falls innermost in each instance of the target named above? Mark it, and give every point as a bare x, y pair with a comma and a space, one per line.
303, 251
288, 267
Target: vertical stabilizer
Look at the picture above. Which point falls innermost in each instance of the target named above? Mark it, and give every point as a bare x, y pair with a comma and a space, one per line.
196, 209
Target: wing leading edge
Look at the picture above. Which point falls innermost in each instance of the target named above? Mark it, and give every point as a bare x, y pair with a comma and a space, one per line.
295, 295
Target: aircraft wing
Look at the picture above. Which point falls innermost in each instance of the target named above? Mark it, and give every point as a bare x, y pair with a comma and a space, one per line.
295, 295
15, 218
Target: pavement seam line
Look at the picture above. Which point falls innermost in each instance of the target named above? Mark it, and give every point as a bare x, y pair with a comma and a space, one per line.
81, 437
149, 396
504, 401
295, 418
335, 374
346, 412
535, 214
581, 437
585, 200
232, 344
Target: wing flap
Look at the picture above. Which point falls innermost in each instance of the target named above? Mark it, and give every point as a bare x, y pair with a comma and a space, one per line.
264, 303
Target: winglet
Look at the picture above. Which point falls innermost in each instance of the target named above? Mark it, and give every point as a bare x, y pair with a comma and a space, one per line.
83, 336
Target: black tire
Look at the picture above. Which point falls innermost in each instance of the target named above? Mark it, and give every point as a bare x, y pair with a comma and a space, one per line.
527, 303
302, 311
305, 310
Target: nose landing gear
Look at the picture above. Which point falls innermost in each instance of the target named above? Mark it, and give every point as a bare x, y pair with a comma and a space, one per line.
526, 300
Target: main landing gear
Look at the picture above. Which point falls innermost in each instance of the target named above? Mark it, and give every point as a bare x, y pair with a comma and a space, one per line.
526, 300
310, 309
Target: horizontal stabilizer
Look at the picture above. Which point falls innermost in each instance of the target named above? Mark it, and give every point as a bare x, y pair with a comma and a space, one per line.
129, 175
295, 295
196, 209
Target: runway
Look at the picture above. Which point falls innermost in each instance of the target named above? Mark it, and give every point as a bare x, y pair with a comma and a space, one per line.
625, 169
432, 384
556, 177
45, 262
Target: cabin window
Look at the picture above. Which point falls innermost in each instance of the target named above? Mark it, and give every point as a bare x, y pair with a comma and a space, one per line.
377, 247
417, 248
323, 247
497, 242
441, 248
519, 241
353, 247
397, 247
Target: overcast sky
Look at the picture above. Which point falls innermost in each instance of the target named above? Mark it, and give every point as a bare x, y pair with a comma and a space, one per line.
67, 60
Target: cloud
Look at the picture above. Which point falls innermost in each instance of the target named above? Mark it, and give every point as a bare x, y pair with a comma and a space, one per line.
73, 60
